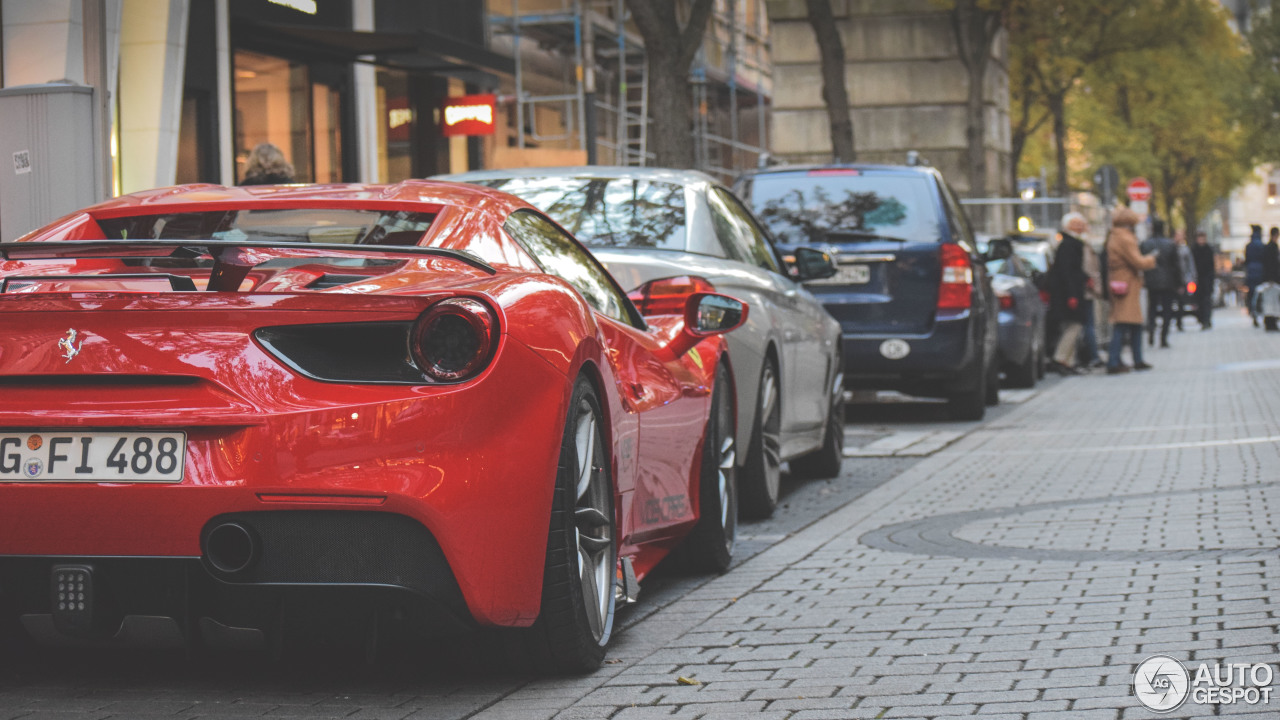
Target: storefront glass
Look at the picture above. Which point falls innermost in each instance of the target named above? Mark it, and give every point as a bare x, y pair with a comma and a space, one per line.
278, 101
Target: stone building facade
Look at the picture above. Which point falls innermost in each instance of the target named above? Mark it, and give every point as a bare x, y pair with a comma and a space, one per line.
907, 89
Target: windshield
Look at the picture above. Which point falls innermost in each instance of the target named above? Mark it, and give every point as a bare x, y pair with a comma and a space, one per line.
607, 212
822, 207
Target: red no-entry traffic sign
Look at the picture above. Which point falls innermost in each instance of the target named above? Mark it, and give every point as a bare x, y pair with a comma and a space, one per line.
1139, 189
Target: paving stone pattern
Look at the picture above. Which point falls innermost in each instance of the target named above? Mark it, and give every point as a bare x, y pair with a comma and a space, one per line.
1021, 572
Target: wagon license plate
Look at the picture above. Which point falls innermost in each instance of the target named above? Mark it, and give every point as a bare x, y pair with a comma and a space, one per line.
99, 456
848, 275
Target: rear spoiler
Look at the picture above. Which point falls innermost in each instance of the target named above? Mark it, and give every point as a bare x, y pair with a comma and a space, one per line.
230, 262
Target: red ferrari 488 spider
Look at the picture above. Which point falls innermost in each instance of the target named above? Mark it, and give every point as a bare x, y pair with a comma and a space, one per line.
418, 406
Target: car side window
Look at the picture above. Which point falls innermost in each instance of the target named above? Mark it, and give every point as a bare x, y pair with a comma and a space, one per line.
744, 233
559, 255
726, 231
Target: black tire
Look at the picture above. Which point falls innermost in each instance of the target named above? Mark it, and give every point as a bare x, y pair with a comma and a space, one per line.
825, 462
992, 395
572, 629
1024, 375
970, 404
709, 548
762, 473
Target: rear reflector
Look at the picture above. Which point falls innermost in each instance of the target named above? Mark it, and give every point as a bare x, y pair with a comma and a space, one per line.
956, 289
322, 499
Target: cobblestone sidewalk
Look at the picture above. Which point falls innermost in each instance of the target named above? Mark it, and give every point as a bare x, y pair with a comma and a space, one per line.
1021, 573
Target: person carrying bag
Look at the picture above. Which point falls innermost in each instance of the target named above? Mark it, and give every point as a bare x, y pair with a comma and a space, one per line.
1125, 265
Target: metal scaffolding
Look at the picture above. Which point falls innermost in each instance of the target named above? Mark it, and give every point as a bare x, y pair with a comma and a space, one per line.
603, 97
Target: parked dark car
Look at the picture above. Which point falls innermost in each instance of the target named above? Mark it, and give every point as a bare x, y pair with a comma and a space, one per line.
1021, 319
912, 295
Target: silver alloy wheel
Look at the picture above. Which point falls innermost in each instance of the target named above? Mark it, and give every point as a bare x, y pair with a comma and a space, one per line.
771, 431
593, 534
728, 456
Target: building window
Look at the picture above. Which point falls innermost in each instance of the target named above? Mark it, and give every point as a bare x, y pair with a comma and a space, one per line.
277, 100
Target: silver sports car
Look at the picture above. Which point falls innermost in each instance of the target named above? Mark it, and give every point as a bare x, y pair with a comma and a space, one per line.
645, 224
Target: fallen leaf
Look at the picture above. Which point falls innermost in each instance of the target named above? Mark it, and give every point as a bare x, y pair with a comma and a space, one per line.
687, 681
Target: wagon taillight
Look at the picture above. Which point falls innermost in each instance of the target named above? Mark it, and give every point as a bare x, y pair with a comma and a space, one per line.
956, 288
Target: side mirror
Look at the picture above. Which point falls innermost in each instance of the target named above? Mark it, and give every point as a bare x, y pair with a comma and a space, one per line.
707, 314
998, 249
813, 264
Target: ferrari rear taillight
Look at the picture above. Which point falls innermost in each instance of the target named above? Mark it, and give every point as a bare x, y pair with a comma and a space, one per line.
667, 296
454, 339
956, 289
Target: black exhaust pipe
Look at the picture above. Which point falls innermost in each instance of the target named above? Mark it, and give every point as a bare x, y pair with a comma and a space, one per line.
231, 548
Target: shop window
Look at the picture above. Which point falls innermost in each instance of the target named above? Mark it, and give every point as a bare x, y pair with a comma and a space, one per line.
278, 100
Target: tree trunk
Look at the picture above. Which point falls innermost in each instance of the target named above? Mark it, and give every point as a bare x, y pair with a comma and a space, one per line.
976, 134
834, 93
671, 107
670, 50
1058, 109
975, 29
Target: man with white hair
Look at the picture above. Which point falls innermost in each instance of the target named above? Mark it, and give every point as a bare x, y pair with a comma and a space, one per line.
1067, 280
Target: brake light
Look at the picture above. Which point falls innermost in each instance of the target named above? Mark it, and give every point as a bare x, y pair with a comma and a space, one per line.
1044, 296
1006, 301
833, 171
667, 296
454, 339
1191, 288
956, 289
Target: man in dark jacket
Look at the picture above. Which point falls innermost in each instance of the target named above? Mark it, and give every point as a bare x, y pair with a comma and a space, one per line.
1162, 282
1202, 255
1066, 291
1271, 258
1253, 267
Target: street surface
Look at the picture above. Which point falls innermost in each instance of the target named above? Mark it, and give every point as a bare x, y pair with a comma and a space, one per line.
1019, 567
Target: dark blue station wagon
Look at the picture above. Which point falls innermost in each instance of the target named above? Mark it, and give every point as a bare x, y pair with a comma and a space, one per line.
912, 294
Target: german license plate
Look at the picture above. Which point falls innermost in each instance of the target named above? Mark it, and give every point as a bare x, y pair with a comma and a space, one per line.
97, 456
848, 275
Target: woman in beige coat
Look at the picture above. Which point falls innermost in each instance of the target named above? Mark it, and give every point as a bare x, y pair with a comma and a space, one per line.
1124, 284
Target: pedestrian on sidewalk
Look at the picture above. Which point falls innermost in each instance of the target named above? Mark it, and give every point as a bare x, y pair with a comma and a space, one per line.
1067, 281
1093, 295
1187, 266
1162, 282
1125, 265
267, 165
1202, 254
1252, 268
1267, 302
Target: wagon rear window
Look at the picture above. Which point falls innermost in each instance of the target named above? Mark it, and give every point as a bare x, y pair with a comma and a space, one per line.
352, 227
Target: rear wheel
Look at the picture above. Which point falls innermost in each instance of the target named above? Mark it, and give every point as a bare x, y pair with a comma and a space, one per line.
576, 619
1024, 375
709, 548
762, 473
825, 462
970, 404
991, 396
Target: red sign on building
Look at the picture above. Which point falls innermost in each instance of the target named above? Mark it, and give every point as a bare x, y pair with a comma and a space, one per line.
469, 115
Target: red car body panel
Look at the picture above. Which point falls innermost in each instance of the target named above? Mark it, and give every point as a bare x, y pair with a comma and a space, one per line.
474, 462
